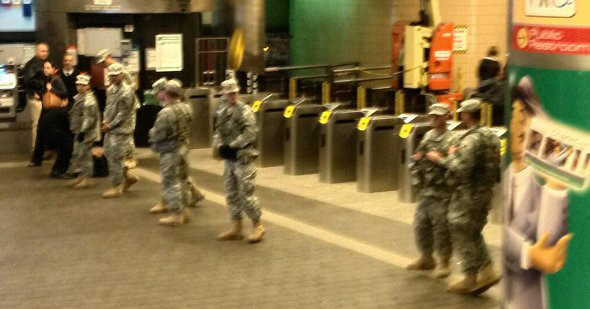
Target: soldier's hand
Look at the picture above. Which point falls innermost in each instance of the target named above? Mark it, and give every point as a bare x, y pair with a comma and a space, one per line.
433, 156
453, 149
549, 259
105, 127
48, 86
80, 137
418, 155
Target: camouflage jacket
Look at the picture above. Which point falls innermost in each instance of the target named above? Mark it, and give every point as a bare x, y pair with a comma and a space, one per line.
120, 109
427, 175
466, 167
235, 126
172, 129
128, 79
85, 115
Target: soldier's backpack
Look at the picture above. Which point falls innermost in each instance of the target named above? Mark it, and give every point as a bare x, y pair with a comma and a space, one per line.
488, 171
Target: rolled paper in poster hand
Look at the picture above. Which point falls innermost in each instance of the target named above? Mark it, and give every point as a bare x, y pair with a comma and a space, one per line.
559, 153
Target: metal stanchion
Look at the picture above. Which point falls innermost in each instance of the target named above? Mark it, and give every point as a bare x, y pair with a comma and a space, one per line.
361, 98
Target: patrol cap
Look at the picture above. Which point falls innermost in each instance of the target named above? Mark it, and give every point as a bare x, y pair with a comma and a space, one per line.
229, 86
102, 55
174, 86
470, 106
82, 79
115, 69
159, 85
439, 109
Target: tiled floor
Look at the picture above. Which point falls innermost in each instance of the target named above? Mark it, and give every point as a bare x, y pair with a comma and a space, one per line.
327, 246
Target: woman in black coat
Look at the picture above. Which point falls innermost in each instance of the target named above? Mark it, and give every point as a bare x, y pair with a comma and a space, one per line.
53, 127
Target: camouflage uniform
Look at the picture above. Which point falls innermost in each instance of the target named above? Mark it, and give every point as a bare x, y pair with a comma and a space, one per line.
130, 155
84, 119
431, 226
471, 201
169, 137
236, 126
119, 114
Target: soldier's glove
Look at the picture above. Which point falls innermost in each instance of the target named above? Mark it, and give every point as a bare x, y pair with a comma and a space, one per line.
228, 153
80, 137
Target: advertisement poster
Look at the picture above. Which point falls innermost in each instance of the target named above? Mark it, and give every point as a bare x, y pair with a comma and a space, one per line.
546, 185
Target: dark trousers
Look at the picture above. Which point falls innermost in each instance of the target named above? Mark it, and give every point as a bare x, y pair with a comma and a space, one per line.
53, 129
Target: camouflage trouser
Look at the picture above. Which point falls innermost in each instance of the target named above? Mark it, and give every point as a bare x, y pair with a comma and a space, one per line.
82, 156
189, 190
239, 180
172, 194
467, 218
431, 227
130, 161
116, 146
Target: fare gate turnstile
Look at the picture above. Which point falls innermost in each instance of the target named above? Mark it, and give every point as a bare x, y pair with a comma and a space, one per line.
271, 125
199, 99
409, 139
266, 96
337, 158
302, 137
375, 163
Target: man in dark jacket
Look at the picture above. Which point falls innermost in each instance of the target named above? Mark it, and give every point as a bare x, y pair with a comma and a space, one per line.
68, 75
34, 84
489, 67
490, 88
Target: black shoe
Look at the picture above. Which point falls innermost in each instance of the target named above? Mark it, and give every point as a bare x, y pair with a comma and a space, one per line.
31, 164
57, 175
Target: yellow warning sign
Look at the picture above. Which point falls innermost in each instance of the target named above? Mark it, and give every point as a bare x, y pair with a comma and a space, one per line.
256, 106
406, 130
325, 117
363, 123
289, 111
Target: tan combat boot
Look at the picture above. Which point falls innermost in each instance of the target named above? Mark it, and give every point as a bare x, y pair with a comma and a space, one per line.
84, 184
130, 179
159, 208
196, 196
425, 262
178, 218
465, 286
486, 278
257, 232
115, 191
234, 233
443, 269
74, 182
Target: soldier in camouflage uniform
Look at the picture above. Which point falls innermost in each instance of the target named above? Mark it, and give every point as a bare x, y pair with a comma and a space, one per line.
428, 171
235, 134
468, 168
105, 59
85, 124
170, 137
191, 195
118, 125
